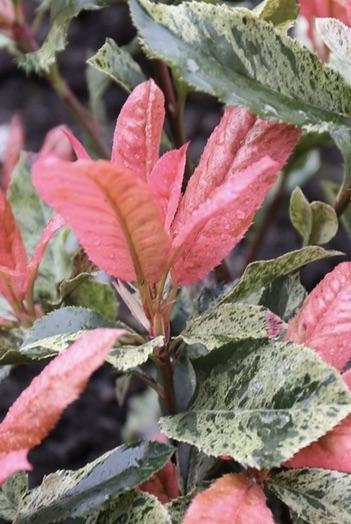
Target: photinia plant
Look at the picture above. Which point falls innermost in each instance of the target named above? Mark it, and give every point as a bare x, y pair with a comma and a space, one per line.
126, 259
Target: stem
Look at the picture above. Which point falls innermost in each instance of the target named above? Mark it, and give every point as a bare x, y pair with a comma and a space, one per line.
25, 39
81, 114
166, 371
343, 201
267, 220
149, 381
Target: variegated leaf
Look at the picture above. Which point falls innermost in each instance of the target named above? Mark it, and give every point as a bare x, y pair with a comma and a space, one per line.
260, 402
232, 321
315, 495
126, 357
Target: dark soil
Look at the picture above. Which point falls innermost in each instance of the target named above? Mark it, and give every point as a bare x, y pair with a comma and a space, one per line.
92, 425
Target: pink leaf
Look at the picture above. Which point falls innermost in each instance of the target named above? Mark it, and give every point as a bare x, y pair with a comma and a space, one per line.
55, 223
333, 451
324, 321
13, 462
57, 144
112, 213
38, 409
14, 146
137, 137
166, 182
240, 140
78, 148
229, 500
7, 14
220, 223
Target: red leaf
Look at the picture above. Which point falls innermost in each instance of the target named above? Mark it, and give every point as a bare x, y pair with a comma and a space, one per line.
14, 146
112, 213
220, 223
164, 484
78, 148
57, 144
7, 14
333, 451
38, 409
239, 141
324, 321
166, 182
229, 500
137, 137
13, 462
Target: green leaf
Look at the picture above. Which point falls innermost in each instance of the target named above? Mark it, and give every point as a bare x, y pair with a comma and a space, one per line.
337, 37
97, 84
32, 215
315, 495
260, 401
284, 296
301, 214
243, 60
317, 222
98, 296
135, 507
76, 493
11, 494
117, 64
62, 13
282, 13
259, 274
193, 466
229, 322
128, 357
331, 190
325, 223
10, 342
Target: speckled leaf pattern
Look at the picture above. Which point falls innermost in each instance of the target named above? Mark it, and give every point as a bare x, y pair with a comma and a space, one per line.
336, 36
232, 321
230, 499
317, 496
258, 274
115, 62
11, 493
177, 508
323, 322
137, 136
115, 218
325, 223
277, 79
62, 13
77, 493
260, 401
126, 357
37, 410
134, 507
282, 13
217, 225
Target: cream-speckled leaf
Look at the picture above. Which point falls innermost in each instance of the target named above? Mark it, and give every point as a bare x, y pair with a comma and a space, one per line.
127, 357
116, 63
336, 36
284, 296
134, 507
232, 321
258, 274
244, 60
177, 508
62, 13
11, 494
75, 493
301, 214
325, 223
316, 496
282, 13
259, 401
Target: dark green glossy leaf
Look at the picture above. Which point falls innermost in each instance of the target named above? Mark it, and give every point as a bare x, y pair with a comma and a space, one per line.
76, 493
284, 296
315, 495
260, 401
